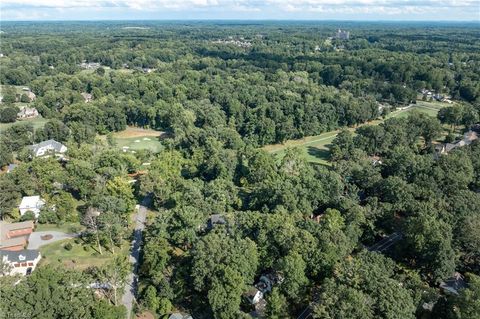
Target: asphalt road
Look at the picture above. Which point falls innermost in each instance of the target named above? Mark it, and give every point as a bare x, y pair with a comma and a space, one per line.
132, 280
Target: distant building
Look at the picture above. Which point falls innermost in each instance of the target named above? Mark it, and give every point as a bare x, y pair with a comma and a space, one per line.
89, 65
342, 35
14, 236
453, 284
468, 138
21, 262
27, 113
11, 167
46, 147
87, 97
215, 219
32, 204
178, 315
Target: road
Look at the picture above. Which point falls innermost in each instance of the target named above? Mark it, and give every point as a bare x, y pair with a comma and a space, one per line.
386, 242
132, 280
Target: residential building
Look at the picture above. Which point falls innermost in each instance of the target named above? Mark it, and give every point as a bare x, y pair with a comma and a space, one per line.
468, 138
87, 97
14, 236
21, 262
27, 113
178, 315
453, 284
46, 147
11, 167
254, 295
32, 204
215, 219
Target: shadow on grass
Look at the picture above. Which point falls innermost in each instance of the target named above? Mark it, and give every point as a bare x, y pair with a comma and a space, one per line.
318, 153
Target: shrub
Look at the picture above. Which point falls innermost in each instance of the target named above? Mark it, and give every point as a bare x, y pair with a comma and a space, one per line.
68, 246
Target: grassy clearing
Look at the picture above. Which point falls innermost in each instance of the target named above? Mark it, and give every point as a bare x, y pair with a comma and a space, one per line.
66, 227
81, 256
316, 149
38, 122
139, 139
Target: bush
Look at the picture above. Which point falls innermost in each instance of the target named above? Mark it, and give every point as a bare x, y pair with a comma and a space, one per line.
8, 114
29, 215
68, 246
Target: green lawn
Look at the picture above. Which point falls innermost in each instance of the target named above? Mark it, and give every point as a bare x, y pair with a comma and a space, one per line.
140, 143
77, 257
316, 149
66, 227
36, 122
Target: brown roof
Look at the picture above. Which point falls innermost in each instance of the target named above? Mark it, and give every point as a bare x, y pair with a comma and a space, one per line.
6, 238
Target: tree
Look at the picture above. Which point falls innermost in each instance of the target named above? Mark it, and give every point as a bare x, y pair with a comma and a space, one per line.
9, 196
337, 301
276, 305
293, 268
224, 296
115, 275
8, 114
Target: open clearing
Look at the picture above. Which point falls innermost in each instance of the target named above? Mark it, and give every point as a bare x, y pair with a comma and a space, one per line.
135, 139
317, 148
36, 122
77, 257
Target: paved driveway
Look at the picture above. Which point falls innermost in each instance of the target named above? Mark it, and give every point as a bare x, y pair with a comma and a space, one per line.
35, 242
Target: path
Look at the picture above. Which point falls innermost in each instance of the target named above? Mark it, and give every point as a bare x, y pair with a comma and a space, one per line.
35, 241
386, 242
132, 279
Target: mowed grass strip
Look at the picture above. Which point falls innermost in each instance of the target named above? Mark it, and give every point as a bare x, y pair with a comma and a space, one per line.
316, 149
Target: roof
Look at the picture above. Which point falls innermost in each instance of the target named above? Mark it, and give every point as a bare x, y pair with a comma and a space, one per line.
57, 146
21, 255
31, 202
6, 227
454, 283
178, 315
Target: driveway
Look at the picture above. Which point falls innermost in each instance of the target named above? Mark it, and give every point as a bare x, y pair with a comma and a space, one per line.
35, 241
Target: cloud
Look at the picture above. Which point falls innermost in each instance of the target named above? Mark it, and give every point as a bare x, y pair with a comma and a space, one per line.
466, 9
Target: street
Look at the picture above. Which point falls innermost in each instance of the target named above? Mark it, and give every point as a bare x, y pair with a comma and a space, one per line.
132, 280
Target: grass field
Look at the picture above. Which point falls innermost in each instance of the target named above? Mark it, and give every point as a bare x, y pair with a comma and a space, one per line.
36, 122
317, 148
66, 227
77, 257
137, 139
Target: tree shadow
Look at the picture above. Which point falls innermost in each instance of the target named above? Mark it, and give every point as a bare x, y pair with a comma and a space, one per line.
318, 153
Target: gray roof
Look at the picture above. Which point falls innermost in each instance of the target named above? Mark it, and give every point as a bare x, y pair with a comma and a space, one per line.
56, 146
21, 255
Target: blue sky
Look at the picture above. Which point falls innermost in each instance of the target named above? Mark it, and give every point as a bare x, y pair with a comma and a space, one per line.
465, 10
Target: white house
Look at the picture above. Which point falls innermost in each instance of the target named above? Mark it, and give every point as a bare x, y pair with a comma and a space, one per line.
46, 147
31, 203
21, 262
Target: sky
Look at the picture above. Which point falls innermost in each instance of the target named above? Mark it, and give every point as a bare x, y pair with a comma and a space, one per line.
434, 10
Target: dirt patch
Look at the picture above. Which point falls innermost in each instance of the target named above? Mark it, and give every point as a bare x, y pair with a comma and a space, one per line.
137, 132
46, 237
145, 315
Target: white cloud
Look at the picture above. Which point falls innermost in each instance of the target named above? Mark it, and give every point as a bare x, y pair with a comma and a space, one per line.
271, 8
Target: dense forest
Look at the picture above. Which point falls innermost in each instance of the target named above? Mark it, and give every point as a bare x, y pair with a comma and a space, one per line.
225, 214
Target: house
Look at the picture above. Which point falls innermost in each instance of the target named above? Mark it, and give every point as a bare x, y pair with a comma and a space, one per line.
31, 96
27, 113
87, 97
254, 295
178, 315
46, 147
32, 204
468, 138
11, 167
453, 284
21, 262
215, 219
89, 65
14, 236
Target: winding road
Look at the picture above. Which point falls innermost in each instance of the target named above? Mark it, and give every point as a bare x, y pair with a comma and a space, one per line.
132, 279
